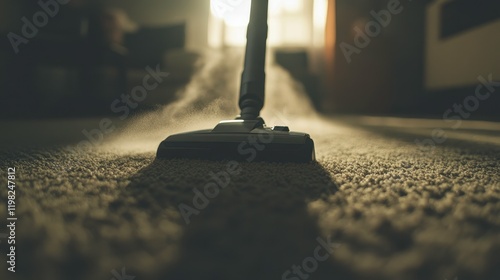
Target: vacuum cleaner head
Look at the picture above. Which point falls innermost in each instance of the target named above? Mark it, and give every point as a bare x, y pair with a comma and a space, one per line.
247, 138
240, 140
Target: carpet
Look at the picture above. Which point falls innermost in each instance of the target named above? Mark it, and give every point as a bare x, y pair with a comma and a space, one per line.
375, 205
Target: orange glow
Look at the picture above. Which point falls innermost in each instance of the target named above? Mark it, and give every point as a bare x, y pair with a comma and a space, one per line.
329, 51
330, 34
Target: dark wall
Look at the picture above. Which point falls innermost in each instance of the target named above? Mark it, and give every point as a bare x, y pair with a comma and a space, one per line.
390, 74
385, 74
459, 16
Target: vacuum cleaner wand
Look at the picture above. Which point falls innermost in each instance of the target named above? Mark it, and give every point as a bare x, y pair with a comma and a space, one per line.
247, 138
253, 79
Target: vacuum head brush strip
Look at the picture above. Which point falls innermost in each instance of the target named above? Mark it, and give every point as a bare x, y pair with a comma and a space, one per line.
240, 140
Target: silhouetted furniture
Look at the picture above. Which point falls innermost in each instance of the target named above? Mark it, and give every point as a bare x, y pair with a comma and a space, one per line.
147, 45
73, 45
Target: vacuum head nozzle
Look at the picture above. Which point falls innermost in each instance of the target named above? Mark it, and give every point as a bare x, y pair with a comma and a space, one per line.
246, 139
240, 140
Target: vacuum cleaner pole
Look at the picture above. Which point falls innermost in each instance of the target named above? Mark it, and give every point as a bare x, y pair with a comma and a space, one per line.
253, 79
227, 141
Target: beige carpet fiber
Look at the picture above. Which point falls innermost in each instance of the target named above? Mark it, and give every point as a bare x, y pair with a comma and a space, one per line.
390, 209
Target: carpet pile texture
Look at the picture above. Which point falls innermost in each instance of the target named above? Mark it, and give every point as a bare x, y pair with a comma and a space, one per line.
389, 208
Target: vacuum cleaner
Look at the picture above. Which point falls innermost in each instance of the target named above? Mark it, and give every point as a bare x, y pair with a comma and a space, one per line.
246, 138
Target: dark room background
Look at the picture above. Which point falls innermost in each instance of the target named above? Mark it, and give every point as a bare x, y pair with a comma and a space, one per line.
427, 57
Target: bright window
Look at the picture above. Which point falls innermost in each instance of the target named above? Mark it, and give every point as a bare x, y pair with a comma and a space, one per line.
291, 22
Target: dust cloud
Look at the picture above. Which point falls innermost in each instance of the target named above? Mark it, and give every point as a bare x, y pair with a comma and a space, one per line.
212, 96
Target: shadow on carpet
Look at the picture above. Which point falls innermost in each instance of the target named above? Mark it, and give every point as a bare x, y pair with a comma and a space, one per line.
256, 227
